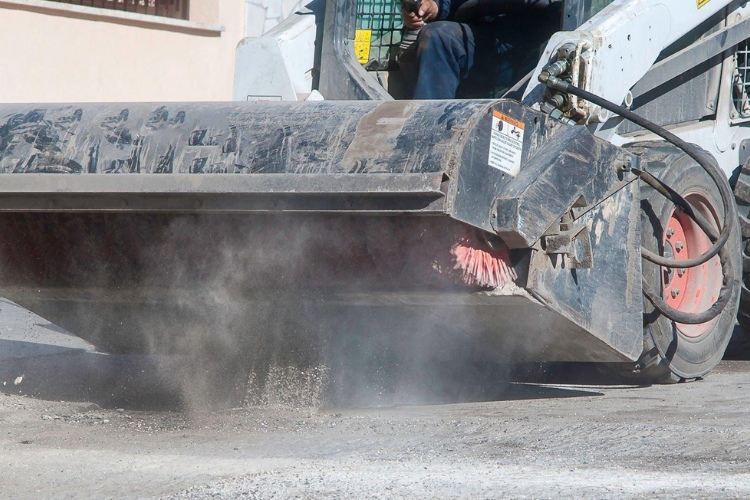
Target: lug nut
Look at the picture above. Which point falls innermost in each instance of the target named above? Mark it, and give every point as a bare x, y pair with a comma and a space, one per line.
681, 272
670, 232
675, 292
679, 246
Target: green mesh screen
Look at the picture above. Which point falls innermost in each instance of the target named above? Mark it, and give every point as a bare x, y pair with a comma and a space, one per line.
577, 12
597, 5
378, 32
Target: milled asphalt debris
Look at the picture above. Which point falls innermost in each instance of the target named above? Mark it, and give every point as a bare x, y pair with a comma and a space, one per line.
531, 440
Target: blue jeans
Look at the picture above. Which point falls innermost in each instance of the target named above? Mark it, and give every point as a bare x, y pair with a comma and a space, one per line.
451, 59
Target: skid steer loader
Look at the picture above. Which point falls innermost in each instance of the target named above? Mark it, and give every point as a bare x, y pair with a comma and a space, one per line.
320, 206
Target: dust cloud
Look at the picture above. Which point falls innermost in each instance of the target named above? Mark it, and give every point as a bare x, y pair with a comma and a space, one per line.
300, 311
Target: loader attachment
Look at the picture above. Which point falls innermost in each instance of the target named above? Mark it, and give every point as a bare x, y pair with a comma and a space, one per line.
146, 226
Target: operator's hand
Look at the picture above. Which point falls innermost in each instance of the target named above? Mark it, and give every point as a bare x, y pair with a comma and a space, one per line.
428, 11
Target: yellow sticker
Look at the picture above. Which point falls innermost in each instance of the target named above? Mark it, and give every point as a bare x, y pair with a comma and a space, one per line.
362, 40
701, 3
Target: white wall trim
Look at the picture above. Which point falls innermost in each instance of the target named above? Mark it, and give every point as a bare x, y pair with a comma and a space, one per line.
114, 16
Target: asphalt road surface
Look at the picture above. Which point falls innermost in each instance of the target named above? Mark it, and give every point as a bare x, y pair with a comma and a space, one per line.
573, 436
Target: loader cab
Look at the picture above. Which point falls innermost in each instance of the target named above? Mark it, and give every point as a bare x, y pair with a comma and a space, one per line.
360, 49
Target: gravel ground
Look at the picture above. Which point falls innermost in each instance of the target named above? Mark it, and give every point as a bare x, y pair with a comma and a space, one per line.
528, 440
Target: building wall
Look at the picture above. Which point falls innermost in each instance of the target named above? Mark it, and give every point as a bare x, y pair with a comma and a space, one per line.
53, 52
262, 15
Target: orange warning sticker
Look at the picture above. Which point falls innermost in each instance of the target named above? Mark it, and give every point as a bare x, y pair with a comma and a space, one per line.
362, 41
507, 119
506, 143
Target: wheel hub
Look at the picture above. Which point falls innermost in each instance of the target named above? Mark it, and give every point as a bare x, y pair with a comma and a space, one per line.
694, 289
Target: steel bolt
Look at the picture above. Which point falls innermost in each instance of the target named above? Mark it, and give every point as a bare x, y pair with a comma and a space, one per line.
670, 232
679, 246
681, 272
675, 292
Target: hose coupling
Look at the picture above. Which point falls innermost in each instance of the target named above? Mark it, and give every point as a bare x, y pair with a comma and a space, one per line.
555, 83
554, 70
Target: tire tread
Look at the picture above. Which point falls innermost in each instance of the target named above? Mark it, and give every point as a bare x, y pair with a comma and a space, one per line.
652, 367
742, 197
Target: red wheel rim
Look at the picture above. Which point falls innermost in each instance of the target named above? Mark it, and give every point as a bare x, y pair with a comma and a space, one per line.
691, 290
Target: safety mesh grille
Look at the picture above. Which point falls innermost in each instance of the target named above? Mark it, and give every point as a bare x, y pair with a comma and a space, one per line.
597, 5
378, 33
741, 79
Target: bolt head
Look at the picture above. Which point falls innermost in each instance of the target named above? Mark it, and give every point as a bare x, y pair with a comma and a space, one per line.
675, 292
681, 272
670, 232
679, 246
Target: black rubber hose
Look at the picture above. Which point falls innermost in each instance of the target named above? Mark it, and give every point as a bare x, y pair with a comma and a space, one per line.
678, 200
685, 206
704, 160
704, 316
708, 163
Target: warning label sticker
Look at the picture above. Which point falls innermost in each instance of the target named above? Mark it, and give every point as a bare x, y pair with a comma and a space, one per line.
362, 40
701, 3
506, 143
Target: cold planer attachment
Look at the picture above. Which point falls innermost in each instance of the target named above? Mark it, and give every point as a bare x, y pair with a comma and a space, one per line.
116, 217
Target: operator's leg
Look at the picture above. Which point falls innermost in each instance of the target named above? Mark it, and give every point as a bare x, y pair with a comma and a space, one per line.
478, 61
506, 50
439, 59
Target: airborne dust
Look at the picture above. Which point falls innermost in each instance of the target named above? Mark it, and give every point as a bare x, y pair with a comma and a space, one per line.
262, 310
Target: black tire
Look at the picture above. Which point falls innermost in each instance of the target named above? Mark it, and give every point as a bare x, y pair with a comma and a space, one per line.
742, 196
669, 355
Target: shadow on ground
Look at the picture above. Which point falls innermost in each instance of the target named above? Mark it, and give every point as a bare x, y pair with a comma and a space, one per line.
143, 382
127, 381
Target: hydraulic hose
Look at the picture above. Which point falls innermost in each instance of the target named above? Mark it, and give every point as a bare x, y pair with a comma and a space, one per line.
685, 206
709, 164
704, 160
702, 317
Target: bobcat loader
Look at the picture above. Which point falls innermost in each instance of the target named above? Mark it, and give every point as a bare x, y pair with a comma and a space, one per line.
585, 215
